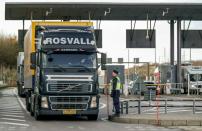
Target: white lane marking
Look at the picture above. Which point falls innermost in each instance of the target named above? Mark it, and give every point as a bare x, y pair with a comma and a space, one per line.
13, 116
102, 105
104, 119
11, 110
81, 128
8, 113
11, 119
10, 107
198, 112
9, 104
20, 101
16, 124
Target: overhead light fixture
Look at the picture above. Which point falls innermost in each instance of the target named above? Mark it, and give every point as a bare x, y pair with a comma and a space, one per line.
147, 36
107, 12
165, 12
49, 12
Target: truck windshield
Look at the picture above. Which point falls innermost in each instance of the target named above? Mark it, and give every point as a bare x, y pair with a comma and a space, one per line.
193, 77
200, 77
81, 60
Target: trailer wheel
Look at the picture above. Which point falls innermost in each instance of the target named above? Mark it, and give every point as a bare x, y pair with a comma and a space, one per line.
18, 87
27, 103
32, 110
21, 91
93, 117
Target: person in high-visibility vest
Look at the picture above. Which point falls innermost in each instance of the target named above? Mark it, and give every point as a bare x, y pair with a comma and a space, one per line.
115, 91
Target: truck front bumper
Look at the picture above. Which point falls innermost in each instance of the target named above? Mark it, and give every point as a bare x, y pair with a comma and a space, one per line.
60, 112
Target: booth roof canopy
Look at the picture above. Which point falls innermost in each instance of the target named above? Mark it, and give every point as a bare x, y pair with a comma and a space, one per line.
96, 11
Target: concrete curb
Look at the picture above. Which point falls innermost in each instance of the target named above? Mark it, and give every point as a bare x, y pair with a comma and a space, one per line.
3, 87
162, 122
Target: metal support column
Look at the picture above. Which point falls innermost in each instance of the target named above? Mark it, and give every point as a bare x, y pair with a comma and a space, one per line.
23, 31
172, 50
178, 51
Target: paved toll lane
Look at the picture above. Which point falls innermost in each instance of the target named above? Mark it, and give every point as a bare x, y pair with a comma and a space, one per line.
13, 117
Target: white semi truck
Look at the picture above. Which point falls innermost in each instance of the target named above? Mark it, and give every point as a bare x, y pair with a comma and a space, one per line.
20, 74
192, 81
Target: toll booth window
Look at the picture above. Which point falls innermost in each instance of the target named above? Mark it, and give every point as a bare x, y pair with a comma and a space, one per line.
193, 77
200, 77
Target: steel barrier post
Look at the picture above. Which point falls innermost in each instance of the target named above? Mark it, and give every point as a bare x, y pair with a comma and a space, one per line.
194, 104
126, 107
139, 107
122, 107
165, 106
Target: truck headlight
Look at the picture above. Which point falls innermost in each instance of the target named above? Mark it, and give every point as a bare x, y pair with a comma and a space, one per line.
44, 102
93, 102
193, 86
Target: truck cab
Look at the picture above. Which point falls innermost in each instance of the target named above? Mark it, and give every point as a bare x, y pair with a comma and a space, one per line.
65, 80
193, 79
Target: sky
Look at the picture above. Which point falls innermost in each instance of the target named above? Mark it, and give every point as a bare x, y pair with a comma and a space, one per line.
115, 45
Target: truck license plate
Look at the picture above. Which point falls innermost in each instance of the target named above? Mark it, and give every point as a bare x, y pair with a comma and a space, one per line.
69, 112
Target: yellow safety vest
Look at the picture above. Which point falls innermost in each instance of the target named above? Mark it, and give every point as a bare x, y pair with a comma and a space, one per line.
118, 84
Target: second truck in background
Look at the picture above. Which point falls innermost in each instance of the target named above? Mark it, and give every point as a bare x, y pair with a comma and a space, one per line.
20, 74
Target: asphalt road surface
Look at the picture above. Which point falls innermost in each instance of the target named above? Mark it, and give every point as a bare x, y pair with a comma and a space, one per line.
13, 117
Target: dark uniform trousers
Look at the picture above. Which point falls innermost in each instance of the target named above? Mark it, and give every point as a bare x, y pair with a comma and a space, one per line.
116, 103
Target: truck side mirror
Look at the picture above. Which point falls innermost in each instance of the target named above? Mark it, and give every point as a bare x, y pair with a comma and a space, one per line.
33, 60
103, 61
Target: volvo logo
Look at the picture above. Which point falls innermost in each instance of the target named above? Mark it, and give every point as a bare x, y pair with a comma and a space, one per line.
70, 87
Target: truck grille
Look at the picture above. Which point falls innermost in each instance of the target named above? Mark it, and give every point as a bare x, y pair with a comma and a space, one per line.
69, 87
69, 102
69, 106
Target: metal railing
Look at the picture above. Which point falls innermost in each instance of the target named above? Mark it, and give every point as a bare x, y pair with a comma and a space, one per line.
125, 104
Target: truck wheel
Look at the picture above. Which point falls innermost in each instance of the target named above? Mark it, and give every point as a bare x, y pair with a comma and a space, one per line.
32, 106
18, 89
92, 117
37, 116
27, 103
31, 111
21, 92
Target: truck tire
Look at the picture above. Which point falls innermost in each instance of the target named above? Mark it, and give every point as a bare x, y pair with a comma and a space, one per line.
93, 117
37, 116
27, 103
32, 108
31, 112
21, 92
18, 87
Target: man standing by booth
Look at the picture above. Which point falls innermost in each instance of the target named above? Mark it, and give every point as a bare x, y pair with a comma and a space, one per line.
115, 91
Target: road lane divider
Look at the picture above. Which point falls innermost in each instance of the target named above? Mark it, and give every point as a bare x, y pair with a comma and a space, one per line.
20, 101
